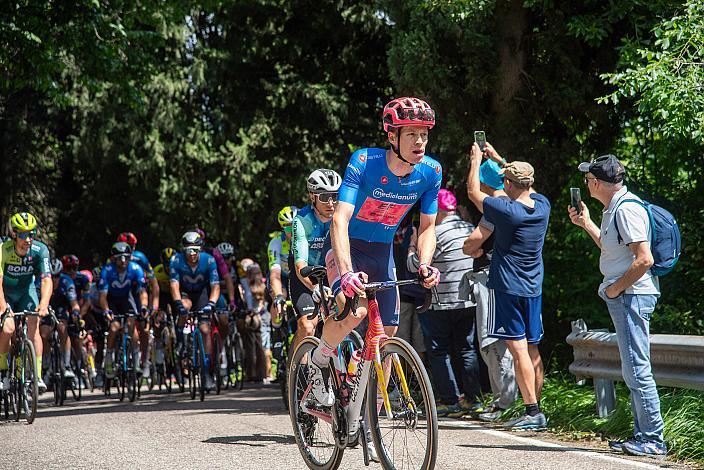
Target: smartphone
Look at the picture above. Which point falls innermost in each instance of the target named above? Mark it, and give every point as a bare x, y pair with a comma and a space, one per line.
480, 139
576, 199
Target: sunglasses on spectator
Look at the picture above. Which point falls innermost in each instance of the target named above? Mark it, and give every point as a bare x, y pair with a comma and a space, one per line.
25, 235
327, 197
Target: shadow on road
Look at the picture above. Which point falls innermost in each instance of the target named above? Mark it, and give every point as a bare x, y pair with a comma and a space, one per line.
252, 440
258, 400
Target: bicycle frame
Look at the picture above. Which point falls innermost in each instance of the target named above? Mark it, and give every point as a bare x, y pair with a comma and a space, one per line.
351, 399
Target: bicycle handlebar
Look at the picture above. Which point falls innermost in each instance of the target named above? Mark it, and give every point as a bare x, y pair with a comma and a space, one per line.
318, 273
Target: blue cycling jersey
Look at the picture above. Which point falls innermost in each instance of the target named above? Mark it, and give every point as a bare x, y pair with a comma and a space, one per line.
194, 280
142, 260
82, 284
65, 292
119, 284
308, 237
381, 199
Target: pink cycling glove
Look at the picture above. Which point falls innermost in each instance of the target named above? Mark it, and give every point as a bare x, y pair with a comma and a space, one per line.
432, 271
349, 282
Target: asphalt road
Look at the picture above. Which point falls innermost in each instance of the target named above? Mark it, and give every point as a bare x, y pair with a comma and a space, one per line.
250, 429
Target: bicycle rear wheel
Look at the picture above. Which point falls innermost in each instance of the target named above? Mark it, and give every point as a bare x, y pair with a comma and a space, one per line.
314, 435
409, 437
75, 384
57, 373
130, 372
29, 391
200, 357
237, 370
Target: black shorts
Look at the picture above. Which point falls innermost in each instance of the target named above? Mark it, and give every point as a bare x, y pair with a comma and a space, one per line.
199, 300
123, 306
301, 296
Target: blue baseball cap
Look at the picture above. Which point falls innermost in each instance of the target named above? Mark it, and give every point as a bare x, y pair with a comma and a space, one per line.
489, 175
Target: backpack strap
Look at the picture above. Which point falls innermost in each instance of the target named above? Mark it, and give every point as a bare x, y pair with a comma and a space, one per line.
647, 211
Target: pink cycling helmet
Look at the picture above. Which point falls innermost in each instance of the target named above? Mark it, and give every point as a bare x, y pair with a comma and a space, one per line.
408, 111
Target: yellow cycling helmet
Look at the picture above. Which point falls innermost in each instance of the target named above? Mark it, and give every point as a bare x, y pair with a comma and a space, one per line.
166, 255
23, 222
286, 215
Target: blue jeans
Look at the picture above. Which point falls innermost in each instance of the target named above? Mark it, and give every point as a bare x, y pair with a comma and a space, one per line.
631, 316
447, 331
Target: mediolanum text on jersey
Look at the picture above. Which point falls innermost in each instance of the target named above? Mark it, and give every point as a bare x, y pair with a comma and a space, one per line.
379, 193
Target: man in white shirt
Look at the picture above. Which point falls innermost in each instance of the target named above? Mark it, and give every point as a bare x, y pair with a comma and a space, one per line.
630, 291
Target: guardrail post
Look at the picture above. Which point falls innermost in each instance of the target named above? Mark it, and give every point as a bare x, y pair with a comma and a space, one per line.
605, 397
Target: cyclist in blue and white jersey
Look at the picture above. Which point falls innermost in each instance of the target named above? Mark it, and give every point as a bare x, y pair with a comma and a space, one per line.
122, 292
195, 286
310, 228
379, 188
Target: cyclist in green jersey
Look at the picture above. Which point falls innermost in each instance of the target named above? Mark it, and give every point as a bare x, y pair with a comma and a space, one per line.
278, 251
22, 260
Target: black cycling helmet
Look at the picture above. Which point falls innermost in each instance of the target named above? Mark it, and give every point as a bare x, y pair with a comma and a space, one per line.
191, 239
166, 255
120, 248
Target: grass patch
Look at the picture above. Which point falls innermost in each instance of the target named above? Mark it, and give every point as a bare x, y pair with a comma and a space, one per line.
571, 409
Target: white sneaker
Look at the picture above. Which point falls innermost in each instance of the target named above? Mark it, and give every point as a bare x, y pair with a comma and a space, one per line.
68, 373
371, 450
41, 386
320, 378
5, 383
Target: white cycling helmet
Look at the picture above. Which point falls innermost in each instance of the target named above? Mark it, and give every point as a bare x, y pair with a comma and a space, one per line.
324, 181
56, 266
226, 249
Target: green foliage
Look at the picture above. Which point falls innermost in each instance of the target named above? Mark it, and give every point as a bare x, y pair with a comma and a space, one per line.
571, 409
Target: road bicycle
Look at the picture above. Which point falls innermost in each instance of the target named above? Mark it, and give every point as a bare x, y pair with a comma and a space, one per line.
194, 354
125, 380
234, 354
22, 395
281, 339
389, 378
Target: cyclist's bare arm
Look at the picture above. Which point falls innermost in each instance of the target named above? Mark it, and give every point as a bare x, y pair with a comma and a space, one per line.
154, 292
104, 301
46, 289
339, 236
3, 302
426, 238
143, 297
175, 290
275, 280
230, 286
214, 293
300, 265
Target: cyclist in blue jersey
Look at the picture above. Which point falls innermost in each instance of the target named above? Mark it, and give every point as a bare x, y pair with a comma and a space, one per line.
141, 259
310, 228
195, 286
122, 292
379, 188
64, 301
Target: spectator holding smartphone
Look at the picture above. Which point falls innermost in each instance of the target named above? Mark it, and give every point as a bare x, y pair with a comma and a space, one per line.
479, 244
630, 291
516, 274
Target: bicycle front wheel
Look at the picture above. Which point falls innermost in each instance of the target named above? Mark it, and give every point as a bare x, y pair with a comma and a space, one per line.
408, 436
312, 428
29, 390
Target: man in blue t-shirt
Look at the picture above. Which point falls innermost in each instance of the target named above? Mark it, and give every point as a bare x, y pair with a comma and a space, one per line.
516, 273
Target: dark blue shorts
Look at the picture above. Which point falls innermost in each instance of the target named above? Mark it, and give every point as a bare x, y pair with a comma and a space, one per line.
515, 317
377, 260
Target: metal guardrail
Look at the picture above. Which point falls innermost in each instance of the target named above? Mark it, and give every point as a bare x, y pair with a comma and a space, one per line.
677, 361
